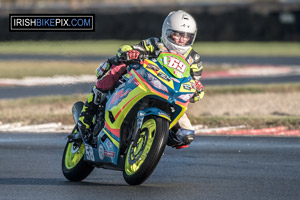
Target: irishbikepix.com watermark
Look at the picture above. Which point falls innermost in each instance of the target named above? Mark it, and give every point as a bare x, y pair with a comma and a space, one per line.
51, 22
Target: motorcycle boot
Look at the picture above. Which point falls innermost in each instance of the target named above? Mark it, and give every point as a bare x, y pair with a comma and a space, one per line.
181, 138
95, 99
182, 134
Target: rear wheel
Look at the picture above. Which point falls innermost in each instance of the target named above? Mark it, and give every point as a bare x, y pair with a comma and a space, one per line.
73, 166
142, 159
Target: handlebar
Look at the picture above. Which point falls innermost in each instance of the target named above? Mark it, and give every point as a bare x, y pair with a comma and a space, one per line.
142, 56
123, 58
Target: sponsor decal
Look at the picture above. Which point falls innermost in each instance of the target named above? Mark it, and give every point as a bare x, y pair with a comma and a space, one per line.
109, 145
178, 74
187, 86
101, 152
163, 114
153, 67
193, 85
119, 96
190, 60
109, 154
164, 76
89, 153
135, 82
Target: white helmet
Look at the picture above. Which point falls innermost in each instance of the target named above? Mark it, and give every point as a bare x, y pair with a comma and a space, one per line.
179, 24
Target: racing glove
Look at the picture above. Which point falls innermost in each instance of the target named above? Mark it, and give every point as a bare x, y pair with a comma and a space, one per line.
132, 55
199, 92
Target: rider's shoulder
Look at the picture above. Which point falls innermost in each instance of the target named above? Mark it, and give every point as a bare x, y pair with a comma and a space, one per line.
196, 56
151, 41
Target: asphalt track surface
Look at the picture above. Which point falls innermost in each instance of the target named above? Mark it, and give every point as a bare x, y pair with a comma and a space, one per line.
211, 168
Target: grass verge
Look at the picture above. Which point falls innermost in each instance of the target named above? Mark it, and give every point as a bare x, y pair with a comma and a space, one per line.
36, 110
48, 109
21, 69
109, 47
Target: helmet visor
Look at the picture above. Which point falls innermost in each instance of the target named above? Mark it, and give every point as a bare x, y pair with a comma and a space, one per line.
180, 38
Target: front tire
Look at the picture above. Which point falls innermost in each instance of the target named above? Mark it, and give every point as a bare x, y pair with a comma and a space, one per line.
74, 167
141, 160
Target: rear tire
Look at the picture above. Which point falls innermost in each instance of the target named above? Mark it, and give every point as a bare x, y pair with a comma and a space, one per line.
141, 161
74, 167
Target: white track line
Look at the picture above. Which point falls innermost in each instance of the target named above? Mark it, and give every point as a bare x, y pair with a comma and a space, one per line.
56, 80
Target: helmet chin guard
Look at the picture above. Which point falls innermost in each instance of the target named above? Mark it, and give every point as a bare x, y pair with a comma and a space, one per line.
179, 31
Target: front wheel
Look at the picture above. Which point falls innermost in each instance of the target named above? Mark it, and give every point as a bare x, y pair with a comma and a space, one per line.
142, 159
74, 167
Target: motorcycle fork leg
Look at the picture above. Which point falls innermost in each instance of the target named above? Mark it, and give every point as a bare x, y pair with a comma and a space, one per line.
137, 127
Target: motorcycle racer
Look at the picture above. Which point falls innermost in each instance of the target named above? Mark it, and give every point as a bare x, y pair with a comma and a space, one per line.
178, 35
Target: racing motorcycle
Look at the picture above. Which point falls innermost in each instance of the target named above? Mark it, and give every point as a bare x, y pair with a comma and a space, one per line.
131, 131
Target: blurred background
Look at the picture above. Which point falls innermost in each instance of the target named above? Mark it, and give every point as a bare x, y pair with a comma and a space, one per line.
218, 20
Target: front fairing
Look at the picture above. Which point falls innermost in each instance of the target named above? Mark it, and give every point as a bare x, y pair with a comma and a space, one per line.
155, 79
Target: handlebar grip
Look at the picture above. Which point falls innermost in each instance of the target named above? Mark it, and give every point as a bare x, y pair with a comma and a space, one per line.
123, 58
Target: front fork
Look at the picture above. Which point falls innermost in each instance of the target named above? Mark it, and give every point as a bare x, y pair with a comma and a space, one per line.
137, 128
76, 110
134, 136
